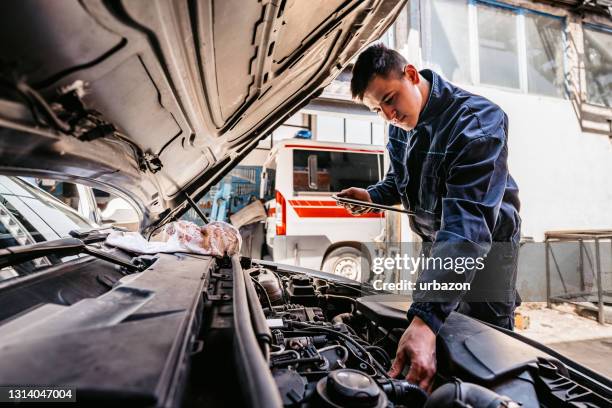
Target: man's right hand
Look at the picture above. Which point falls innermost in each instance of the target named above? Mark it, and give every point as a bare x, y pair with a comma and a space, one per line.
417, 348
356, 194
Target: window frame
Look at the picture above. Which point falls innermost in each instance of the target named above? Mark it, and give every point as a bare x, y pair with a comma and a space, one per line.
603, 29
475, 46
521, 38
371, 123
315, 149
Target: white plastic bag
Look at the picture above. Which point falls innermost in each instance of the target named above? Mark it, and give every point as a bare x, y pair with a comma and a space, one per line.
216, 238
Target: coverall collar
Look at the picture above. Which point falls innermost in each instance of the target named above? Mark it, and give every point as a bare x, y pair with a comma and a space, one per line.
436, 100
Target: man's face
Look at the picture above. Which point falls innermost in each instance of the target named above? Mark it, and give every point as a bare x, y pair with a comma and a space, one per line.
396, 99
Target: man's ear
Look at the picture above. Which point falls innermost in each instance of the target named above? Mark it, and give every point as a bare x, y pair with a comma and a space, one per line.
411, 73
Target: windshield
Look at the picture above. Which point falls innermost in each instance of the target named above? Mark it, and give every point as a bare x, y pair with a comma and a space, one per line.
51, 206
29, 215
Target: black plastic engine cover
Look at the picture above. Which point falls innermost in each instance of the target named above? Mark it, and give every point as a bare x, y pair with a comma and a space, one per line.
466, 344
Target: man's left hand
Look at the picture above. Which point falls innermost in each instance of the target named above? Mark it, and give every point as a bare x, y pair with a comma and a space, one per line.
357, 194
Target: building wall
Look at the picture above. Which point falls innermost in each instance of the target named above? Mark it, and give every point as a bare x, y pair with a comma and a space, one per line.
564, 175
565, 181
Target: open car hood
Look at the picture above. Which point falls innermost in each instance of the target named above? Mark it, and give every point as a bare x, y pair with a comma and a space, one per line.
157, 100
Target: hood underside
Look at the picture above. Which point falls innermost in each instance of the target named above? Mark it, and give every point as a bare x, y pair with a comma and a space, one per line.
157, 100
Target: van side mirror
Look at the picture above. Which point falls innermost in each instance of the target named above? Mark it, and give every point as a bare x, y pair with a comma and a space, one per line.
312, 172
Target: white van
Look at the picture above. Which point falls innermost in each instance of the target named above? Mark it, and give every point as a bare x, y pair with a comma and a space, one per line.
305, 227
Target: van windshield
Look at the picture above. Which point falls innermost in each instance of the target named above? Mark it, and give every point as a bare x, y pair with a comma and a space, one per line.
333, 171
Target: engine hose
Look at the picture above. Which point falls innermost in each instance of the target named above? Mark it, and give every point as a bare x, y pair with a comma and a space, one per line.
253, 371
339, 298
40, 103
381, 352
352, 341
281, 286
405, 393
260, 325
342, 318
373, 361
263, 290
309, 329
462, 394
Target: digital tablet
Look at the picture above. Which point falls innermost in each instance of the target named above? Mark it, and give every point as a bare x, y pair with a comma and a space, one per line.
371, 205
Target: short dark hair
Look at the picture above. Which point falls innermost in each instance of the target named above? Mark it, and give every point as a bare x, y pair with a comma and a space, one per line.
375, 60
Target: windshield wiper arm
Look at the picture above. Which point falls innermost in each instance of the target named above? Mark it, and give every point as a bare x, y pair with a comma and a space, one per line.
60, 248
111, 258
93, 235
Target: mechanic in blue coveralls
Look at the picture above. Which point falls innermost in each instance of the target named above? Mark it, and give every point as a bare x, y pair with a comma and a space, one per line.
448, 151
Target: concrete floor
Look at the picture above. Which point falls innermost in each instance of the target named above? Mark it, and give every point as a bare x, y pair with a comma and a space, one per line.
590, 353
579, 338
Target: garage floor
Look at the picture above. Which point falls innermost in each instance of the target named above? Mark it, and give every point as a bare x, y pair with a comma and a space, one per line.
591, 353
580, 338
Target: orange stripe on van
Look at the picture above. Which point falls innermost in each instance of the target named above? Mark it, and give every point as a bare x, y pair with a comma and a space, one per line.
326, 209
312, 203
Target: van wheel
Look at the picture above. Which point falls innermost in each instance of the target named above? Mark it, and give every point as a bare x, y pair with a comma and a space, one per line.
347, 262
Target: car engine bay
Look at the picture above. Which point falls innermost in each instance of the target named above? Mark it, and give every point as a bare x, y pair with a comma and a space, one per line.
328, 345
193, 330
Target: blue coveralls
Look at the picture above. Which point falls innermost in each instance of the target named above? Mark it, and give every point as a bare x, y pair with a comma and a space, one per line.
451, 170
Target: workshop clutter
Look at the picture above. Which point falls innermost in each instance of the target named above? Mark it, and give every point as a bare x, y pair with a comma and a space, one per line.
215, 238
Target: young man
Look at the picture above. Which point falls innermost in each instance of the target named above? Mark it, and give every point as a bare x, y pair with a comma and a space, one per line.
448, 151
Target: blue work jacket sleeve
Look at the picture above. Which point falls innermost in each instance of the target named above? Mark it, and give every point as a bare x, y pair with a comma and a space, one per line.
475, 187
385, 191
